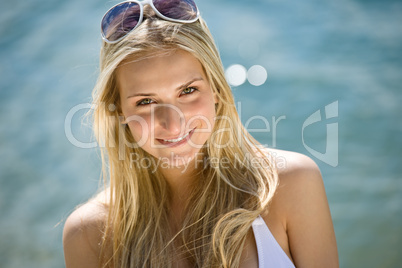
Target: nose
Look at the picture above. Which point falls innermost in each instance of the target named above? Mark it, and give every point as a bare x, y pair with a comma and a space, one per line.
169, 119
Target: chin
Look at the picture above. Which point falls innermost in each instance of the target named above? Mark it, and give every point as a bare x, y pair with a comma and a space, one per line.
179, 159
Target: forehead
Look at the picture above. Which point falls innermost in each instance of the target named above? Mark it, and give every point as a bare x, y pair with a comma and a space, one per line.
161, 71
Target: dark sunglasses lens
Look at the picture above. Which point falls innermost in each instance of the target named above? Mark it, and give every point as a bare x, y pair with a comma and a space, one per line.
120, 20
177, 9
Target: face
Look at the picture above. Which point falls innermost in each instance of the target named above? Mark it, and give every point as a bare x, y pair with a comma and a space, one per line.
168, 105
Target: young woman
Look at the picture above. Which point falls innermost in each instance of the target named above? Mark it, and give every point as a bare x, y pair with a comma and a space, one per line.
187, 186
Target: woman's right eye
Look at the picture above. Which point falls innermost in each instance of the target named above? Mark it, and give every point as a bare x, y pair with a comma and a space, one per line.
144, 102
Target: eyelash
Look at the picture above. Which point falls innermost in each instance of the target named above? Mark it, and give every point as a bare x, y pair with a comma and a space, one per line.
141, 102
193, 89
148, 101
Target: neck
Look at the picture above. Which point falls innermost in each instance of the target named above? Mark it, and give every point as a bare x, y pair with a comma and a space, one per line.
181, 180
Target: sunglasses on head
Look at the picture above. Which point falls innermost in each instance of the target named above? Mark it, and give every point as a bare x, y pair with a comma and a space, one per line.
124, 17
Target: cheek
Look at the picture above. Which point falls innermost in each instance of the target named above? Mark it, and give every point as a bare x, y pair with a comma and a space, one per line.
139, 128
207, 108
202, 114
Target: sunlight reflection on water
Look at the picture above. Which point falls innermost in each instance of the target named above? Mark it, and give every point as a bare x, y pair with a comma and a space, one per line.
314, 53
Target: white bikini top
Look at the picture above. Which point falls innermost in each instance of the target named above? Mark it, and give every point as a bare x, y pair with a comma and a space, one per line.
270, 253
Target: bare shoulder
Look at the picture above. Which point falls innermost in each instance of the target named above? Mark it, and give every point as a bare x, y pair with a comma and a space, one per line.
301, 203
292, 163
83, 233
299, 178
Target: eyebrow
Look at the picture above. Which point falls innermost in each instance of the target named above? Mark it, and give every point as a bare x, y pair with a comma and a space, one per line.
177, 89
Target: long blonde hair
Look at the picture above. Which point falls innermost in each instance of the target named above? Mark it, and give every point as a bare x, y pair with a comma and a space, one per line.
227, 196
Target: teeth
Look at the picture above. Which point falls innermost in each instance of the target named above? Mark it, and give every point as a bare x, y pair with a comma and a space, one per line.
178, 139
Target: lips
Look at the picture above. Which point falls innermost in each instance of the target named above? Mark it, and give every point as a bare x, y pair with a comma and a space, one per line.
176, 142
178, 139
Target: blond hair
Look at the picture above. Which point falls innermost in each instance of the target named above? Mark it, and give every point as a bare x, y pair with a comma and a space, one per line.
226, 198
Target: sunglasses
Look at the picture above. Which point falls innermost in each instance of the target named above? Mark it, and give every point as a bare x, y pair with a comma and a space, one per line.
124, 17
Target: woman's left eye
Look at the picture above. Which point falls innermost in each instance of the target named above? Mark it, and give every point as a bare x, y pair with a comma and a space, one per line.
188, 90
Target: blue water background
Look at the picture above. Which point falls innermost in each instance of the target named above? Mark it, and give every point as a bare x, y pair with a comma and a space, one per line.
315, 52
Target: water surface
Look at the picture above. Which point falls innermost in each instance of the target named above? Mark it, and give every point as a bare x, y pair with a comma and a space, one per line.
315, 53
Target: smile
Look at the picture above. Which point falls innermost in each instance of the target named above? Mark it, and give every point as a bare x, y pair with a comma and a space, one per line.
177, 141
